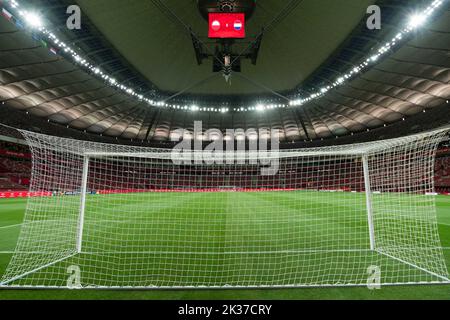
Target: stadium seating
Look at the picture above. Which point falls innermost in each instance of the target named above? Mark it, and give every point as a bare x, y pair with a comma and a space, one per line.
442, 178
15, 175
14, 171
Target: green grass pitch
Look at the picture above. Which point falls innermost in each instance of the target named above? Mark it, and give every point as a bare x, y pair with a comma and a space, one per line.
11, 216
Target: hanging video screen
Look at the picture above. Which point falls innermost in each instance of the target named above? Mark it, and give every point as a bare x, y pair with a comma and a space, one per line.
226, 25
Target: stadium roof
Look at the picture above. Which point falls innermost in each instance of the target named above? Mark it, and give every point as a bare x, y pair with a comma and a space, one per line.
162, 51
314, 43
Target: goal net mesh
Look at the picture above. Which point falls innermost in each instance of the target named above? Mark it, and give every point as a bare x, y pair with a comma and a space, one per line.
112, 216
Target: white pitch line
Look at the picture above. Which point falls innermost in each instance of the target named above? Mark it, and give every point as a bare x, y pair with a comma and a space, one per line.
11, 226
444, 224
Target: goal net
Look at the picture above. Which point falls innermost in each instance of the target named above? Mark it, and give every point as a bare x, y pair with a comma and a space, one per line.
116, 216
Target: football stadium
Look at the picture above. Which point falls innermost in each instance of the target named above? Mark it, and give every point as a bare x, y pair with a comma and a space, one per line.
225, 149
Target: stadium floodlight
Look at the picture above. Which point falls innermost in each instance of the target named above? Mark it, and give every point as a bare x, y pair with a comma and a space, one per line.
131, 217
260, 107
33, 20
417, 20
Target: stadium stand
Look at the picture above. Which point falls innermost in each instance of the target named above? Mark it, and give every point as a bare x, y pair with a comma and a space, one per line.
15, 167
442, 171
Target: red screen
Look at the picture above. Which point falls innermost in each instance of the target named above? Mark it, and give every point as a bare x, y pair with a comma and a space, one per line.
226, 25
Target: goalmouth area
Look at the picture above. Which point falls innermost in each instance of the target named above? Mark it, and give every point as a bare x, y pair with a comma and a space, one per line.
326, 218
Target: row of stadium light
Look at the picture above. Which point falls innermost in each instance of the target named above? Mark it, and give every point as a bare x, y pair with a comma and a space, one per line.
34, 21
415, 21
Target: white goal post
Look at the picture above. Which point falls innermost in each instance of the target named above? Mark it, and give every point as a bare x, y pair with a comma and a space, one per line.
113, 216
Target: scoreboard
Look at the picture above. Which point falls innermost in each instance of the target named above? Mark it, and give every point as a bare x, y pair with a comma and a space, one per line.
226, 25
